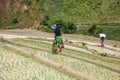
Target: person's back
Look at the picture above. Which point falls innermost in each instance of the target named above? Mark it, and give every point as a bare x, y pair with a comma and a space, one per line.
102, 38
102, 35
57, 33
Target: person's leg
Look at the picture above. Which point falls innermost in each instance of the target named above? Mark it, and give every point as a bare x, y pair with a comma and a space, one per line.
60, 47
102, 41
59, 43
54, 47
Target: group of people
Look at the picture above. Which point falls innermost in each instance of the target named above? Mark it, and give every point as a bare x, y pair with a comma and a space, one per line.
58, 41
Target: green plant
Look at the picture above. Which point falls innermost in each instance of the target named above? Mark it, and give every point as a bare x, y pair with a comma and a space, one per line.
112, 32
92, 29
44, 28
45, 20
15, 20
97, 31
22, 68
59, 23
66, 27
72, 63
70, 42
103, 54
83, 44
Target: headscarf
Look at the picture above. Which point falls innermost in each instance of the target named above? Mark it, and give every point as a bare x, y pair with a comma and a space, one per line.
54, 27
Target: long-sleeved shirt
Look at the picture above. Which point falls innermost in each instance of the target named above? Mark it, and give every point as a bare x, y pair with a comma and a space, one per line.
56, 33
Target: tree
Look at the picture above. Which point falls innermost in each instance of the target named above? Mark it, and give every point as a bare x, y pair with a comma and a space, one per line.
45, 20
66, 27
15, 20
92, 29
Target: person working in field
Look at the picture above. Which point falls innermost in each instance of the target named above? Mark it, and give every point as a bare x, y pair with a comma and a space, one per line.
102, 38
58, 42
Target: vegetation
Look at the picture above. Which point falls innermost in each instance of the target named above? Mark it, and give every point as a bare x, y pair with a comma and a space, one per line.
45, 28
45, 21
84, 11
103, 54
15, 20
66, 27
112, 32
16, 67
83, 44
77, 11
73, 63
68, 14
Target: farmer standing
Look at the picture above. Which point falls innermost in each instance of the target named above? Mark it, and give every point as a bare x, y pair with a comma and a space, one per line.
57, 37
102, 38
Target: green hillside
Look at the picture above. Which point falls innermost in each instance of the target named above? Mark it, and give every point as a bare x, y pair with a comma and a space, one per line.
84, 11
77, 11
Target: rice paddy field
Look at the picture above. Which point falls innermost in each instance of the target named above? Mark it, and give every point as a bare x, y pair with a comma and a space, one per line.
18, 67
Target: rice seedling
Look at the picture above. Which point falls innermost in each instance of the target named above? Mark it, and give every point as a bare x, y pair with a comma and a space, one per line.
41, 45
16, 67
78, 65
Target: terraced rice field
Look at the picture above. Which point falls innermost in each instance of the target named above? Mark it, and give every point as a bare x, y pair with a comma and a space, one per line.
47, 47
16, 67
36, 71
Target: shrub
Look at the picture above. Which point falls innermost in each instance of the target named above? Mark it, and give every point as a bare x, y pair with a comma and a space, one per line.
66, 27
83, 44
45, 29
98, 30
70, 42
15, 20
45, 20
92, 29
71, 27
103, 54
59, 23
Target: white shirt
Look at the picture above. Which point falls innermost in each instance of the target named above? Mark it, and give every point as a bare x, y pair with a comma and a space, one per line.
102, 35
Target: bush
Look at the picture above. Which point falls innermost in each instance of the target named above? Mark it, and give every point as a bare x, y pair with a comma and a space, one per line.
45, 29
71, 27
103, 54
66, 27
98, 30
83, 44
94, 30
112, 32
15, 20
59, 23
45, 21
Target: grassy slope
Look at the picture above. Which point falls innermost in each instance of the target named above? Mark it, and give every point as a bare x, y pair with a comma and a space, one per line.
78, 11
84, 11
112, 32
